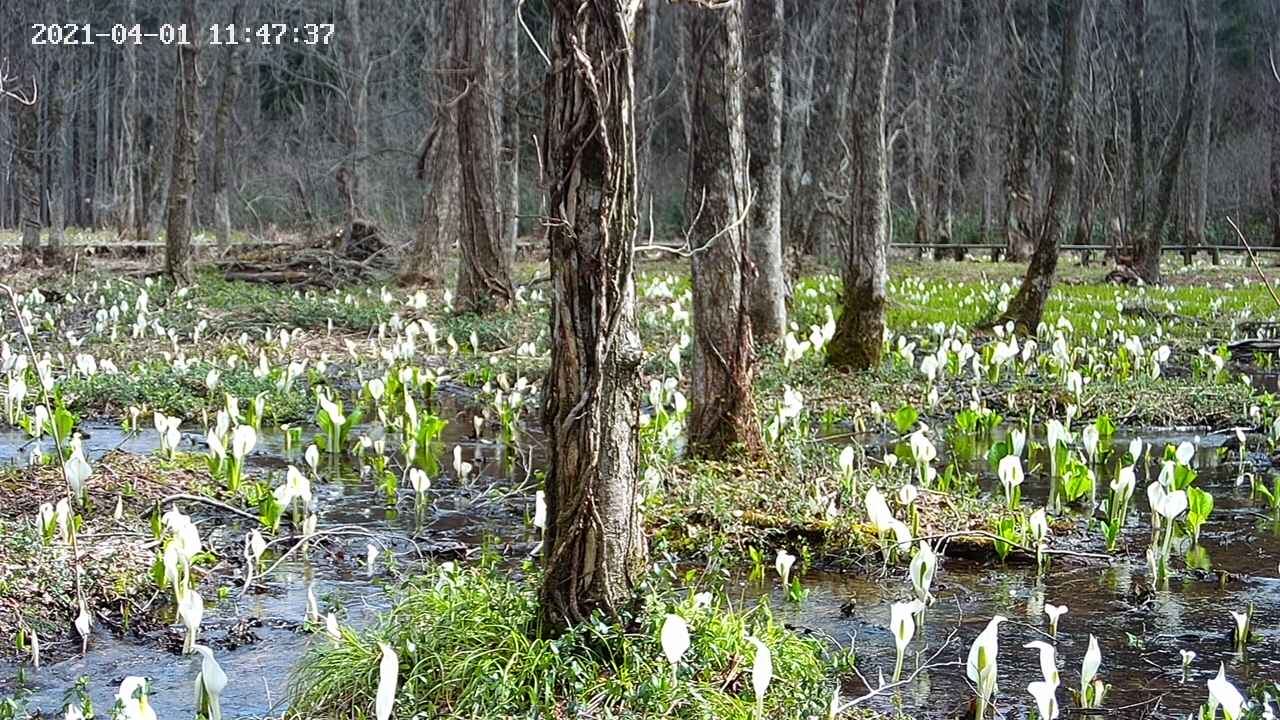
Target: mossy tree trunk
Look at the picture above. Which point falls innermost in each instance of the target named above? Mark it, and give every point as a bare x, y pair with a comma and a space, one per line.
484, 275
1028, 305
764, 23
859, 340
594, 547
182, 179
722, 414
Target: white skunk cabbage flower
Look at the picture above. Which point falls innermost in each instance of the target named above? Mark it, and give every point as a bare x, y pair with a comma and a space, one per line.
761, 673
675, 640
388, 676
210, 683
132, 698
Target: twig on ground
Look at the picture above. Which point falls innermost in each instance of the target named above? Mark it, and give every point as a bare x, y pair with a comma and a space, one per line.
1254, 258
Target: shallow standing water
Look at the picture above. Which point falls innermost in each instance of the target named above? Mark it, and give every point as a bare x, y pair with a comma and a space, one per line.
458, 522
1140, 631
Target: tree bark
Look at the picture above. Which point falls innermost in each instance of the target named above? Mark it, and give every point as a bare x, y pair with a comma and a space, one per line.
1021, 113
56, 128
438, 167
1206, 128
154, 180
764, 25
1151, 239
509, 155
1137, 128
722, 414
594, 545
484, 278
1027, 306
1275, 164
646, 84
130, 181
231, 72
350, 175
27, 154
858, 343
799, 76
182, 183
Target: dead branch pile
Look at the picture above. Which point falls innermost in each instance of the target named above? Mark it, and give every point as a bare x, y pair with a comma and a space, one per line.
326, 262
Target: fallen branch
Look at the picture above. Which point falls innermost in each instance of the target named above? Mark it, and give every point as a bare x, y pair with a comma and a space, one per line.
212, 502
882, 689
1254, 258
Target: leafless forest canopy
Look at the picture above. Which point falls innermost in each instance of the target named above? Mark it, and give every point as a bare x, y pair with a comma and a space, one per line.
297, 137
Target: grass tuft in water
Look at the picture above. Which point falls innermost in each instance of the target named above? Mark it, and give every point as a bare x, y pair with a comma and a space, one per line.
469, 647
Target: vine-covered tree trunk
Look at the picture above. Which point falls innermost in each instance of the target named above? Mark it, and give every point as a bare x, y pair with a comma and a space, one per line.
764, 24
484, 278
594, 547
859, 340
231, 72
182, 182
1151, 239
1028, 305
722, 414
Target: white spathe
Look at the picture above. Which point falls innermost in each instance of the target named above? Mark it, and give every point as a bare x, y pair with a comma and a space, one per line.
388, 677
674, 638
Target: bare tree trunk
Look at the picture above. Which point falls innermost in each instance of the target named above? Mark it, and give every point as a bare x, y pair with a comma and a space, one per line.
1137, 128
1027, 306
56, 128
182, 183
646, 106
594, 546
723, 409
859, 340
438, 167
484, 277
350, 175
231, 72
509, 30
1151, 240
1021, 109
154, 180
27, 155
764, 25
795, 129
129, 165
1206, 128
1275, 164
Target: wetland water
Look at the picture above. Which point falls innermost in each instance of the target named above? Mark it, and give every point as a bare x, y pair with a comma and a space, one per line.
258, 637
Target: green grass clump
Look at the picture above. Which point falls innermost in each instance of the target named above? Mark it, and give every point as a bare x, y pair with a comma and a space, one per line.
469, 647
183, 393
